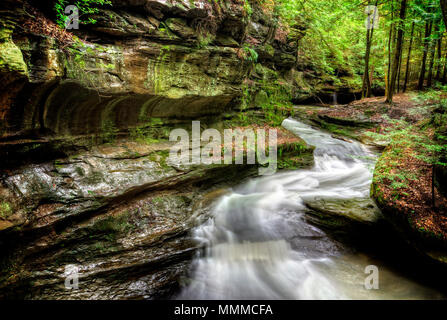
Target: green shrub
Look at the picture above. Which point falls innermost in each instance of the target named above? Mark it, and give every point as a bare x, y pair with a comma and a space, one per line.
5, 209
86, 8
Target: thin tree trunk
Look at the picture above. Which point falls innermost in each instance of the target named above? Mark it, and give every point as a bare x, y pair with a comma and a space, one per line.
444, 75
390, 37
397, 51
439, 60
432, 58
399, 70
433, 196
444, 11
367, 80
428, 27
407, 68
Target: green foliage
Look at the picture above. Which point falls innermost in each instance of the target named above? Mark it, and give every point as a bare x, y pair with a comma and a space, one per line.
165, 29
151, 131
248, 10
5, 209
428, 97
404, 140
204, 40
339, 129
142, 135
250, 53
277, 105
436, 148
86, 8
334, 39
109, 131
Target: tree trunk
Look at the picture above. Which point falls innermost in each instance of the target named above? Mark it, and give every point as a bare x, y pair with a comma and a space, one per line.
439, 60
407, 68
444, 11
444, 75
399, 70
432, 58
433, 196
366, 86
390, 37
428, 27
365, 82
397, 51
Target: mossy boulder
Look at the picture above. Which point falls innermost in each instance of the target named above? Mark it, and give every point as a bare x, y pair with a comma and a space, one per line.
359, 210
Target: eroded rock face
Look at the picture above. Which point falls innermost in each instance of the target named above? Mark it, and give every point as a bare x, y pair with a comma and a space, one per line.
142, 59
117, 211
120, 213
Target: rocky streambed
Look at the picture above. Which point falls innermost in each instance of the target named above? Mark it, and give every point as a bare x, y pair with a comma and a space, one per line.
129, 221
305, 234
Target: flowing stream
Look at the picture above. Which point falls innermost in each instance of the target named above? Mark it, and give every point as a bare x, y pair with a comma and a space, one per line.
258, 244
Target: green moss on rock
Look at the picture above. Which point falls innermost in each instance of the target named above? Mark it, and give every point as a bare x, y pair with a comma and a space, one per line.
11, 58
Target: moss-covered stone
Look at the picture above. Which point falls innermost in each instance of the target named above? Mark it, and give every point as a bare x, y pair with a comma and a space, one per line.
180, 27
11, 58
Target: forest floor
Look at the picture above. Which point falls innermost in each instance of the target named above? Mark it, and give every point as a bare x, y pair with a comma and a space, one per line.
402, 182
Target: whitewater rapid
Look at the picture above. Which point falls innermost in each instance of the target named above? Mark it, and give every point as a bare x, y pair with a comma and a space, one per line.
258, 244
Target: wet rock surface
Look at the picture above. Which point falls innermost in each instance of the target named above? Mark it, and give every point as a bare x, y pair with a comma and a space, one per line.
119, 213
336, 213
361, 121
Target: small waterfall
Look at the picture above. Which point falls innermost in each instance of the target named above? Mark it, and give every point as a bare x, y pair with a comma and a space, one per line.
258, 251
334, 99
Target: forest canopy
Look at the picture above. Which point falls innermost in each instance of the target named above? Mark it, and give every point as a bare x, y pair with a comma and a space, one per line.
336, 40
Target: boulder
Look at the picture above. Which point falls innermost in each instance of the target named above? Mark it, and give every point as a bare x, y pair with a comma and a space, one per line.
338, 213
